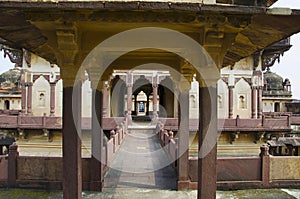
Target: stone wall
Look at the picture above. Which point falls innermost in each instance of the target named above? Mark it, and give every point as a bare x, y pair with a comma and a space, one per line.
231, 169
3, 168
285, 168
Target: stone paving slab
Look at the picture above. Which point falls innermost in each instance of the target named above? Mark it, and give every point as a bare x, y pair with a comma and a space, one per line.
139, 193
141, 163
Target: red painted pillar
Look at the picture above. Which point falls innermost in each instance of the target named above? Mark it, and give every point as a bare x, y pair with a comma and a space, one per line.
23, 100
72, 165
230, 101
29, 98
253, 102
12, 165
155, 95
259, 102
97, 139
183, 141
105, 101
207, 140
129, 97
52, 98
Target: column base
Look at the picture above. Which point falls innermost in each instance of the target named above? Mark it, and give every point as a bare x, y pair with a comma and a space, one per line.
183, 185
96, 186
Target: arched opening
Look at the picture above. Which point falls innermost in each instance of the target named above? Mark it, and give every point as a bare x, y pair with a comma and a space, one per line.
277, 107
143, 99
6, 105
117, 96
166, 96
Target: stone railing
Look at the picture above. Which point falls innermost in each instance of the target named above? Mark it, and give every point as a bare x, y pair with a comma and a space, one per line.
47, 172
282, 123
168, 142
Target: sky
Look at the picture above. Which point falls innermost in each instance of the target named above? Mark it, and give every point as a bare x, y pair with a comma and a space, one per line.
287, 68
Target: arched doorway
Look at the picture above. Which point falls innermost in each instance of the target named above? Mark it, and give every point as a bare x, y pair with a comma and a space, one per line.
117, 95
166, 96
277, 107
6, 105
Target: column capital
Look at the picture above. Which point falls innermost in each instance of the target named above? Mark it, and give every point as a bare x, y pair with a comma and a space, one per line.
28, 84
70, 74
184, 85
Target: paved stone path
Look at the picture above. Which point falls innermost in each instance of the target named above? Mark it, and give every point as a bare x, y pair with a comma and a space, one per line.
141, 163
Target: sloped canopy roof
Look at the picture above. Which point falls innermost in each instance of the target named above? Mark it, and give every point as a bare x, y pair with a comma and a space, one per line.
244, 30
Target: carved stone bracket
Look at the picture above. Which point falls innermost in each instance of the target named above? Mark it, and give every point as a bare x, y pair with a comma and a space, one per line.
233, 136
259, 136
15, 55
270, 59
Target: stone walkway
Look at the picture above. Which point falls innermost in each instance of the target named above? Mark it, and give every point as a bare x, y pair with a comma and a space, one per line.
141, 163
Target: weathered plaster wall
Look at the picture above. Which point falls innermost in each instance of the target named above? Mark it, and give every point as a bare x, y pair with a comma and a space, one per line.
285, 168
45, 168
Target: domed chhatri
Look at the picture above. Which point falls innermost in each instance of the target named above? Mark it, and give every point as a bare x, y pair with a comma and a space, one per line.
276, 86
273, 81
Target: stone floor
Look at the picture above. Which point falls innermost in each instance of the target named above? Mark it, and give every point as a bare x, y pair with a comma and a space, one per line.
137, 193
141, 162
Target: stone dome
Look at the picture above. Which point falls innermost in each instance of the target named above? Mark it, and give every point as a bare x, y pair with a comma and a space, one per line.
273, 81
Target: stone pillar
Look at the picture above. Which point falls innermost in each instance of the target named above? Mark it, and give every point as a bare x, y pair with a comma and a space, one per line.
129, 97
135, 104
29, 98
52, 98
105, 101
71, 131
253, 101
230, 101
265, 161
259, 102
183, 136
23, 98
148, 104
97, 137
155, 95
12, 165
207, 140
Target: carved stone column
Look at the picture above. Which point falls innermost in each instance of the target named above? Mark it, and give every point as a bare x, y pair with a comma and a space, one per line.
97, 136
71, 131
207, 140
129, 97
253, 101
259, 101
67, 42
183, 135
52, 98
230, 101
23, 100
231, 83
155, 95
105, 101
29, 98
147, 106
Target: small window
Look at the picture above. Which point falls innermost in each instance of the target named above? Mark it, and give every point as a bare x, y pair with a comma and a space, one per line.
242, 102
6, 105
42, 99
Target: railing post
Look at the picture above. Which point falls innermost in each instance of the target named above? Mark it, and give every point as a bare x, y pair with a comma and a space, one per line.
12, 164
265, 165
237, 121
119, 134
44, 120
112, 136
